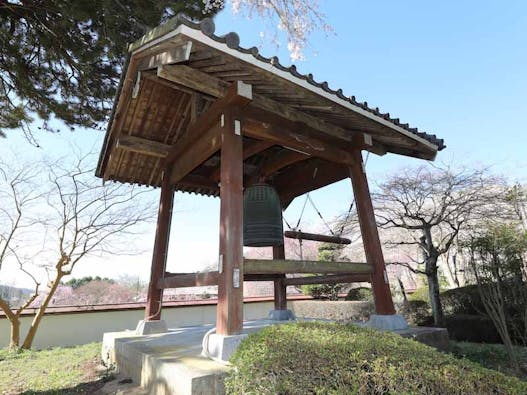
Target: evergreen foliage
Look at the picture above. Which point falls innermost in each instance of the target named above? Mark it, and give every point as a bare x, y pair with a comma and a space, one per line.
79, 282
329, 253
62, 59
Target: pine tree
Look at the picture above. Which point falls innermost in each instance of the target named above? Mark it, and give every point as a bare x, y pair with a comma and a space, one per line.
62, 59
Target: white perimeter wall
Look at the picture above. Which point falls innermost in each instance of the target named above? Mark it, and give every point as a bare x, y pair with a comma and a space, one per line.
68, 329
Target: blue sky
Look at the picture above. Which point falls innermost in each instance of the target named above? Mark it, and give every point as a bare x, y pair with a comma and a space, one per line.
456, 69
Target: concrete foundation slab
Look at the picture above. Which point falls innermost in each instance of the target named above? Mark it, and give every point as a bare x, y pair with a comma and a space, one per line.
151, 327
281, 315
392, 322
172, 362
221, 347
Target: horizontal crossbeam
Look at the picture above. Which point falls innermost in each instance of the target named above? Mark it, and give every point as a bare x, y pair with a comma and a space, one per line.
283, 266
184, 280
172, 280
329, 279
142, 146
294, 234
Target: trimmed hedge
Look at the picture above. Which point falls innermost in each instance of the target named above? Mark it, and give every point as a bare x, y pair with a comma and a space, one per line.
360, 293
322, 291
418, 313
328, 358
472, 328
462, 300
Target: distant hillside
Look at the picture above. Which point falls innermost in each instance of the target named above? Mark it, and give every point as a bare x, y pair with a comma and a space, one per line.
14, 295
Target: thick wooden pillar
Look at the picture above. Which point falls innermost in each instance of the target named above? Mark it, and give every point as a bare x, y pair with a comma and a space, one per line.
370, 236
159, 256
229, 319
280, 289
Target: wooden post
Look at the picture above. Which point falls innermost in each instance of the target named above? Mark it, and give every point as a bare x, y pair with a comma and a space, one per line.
370, 236
229, 319
159, 256
280, 289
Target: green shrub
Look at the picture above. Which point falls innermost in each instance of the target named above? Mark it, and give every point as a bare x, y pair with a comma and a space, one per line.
472, 328
322, 291
361, 293
462, 300
420, 293
467, 319
323, 358
418, 313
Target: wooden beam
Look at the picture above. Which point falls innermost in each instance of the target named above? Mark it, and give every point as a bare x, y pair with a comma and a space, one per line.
283, 160
268, 266
203, 148
248, 151
307, 176
294, 140
206, 83
329, 279
262, 277
229, 318
255, 148
293, 234
159, 256
370, 237
237, 95
142, 146
188, 280
183, 280
178, 54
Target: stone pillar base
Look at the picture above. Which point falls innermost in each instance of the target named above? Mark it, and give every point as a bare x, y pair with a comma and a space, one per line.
392, 322
281, 315
221, 347
151, 327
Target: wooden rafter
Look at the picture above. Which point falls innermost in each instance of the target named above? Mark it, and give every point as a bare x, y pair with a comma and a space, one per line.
285, 159
248, 151
142, 146
296, 141
196, 153
208, 84
203, 136
255, 148
306, 176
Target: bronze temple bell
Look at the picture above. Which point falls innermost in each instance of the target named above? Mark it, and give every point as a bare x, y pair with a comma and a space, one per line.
262, 217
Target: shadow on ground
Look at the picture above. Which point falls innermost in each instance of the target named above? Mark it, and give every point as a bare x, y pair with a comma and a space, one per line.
91, 387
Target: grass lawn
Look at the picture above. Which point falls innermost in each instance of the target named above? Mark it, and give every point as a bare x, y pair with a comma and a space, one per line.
73, 370
69, 370
492, 356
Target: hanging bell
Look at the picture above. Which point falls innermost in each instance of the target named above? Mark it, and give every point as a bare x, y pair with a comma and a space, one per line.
262, 217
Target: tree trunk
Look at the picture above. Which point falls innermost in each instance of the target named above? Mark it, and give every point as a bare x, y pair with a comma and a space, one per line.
28, 341
14, 340
403, 291
433, 292
14, 321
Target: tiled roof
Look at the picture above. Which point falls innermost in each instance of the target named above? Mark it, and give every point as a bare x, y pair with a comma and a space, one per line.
206, 26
